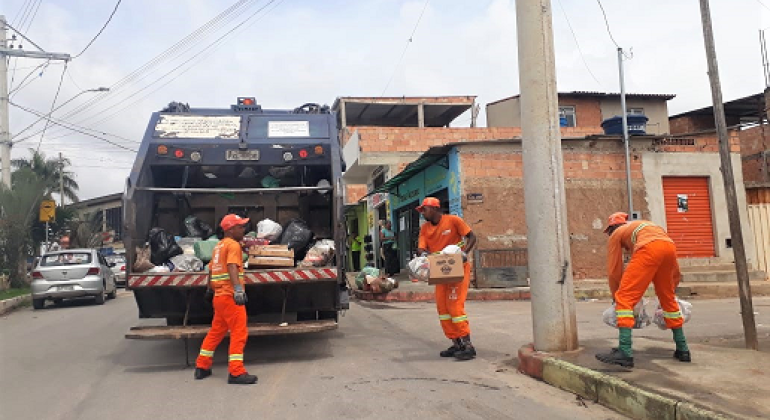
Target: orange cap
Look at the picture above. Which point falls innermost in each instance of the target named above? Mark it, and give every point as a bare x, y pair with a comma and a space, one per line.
618, 218
429, 202
232, 220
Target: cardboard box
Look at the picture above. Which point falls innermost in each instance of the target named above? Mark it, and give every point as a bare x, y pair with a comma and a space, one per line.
265, 262
446, 269
281, 251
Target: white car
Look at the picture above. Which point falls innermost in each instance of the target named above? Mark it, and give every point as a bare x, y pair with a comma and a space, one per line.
72, 273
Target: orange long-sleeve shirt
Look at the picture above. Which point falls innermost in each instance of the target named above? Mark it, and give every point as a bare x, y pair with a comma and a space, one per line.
631, 237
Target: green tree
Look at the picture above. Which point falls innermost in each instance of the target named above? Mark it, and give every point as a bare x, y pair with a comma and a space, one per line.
49, 170
18, 210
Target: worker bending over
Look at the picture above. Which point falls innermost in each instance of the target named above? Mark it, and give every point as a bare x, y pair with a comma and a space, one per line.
653, 259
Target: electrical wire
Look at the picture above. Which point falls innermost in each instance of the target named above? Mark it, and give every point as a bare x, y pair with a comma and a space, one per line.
109, 19
762, 4
609, 31
21, 86
574, 36
32, 19
53, 106
69, 126
406, 47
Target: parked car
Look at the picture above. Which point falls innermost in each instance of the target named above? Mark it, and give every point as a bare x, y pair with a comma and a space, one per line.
72, 273
118, 265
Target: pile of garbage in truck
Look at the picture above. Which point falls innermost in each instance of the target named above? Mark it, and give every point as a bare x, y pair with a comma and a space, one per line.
269, 246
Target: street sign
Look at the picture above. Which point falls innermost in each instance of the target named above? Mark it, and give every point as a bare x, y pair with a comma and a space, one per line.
47, 211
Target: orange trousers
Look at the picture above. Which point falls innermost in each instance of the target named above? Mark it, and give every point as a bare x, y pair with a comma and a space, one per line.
227, 317
450, 303
655, 262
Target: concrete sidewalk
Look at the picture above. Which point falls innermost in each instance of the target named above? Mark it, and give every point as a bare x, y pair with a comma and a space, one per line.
409, 291
719, 383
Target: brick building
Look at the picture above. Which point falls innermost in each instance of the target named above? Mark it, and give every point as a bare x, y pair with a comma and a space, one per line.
676, 182
588, 109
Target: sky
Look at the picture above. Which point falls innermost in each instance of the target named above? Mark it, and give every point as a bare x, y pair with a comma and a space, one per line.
296, 51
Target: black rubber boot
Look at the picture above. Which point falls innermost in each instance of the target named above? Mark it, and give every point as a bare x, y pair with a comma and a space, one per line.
466, 351
616, 357
202, 373
244, 379
450, 352
682, 356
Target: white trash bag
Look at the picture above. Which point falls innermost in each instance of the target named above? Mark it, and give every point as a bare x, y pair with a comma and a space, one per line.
684, 306
451, 250
268, 229
419, 268
641, 318
187, 263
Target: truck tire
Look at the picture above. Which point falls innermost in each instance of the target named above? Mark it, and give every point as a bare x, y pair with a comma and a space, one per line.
38, 303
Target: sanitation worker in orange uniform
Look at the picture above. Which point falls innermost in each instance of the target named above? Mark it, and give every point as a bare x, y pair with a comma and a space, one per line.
653, 260
440, 231
229, 300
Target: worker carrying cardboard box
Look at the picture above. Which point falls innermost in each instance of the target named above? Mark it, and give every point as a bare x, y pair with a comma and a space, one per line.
653, 260
440, 231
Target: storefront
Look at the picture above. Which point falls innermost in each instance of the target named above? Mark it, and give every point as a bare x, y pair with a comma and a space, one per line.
358, 226
430, 176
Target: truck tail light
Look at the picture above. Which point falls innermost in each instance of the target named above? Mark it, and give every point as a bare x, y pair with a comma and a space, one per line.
122, 268
93, 271
162, 150
303, 154
319, 150
37, 275
179, 153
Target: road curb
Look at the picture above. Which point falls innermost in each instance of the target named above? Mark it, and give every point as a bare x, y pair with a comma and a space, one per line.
9, 305
608, 391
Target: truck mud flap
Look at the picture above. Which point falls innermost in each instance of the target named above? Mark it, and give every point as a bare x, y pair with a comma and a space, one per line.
199, 331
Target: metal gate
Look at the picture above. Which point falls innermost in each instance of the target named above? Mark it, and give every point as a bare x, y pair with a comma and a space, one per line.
688, 216
500, 268
759, 218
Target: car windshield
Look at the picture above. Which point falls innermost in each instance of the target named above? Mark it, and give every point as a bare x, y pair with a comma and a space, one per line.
67, 258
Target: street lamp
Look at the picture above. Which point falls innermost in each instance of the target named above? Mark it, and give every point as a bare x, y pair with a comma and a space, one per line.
48, 115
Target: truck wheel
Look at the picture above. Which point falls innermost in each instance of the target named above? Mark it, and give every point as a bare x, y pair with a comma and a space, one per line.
38, 303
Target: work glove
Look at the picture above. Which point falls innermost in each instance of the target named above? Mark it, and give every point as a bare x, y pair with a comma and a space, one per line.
424, 255
465, 257
240, 296
209, 297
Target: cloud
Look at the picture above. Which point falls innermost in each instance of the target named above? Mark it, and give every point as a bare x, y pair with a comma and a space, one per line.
308, 51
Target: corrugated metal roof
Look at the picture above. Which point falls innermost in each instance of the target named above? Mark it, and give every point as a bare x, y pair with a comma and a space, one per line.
663, 96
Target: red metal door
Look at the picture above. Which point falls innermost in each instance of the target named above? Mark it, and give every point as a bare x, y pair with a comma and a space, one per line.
688, 215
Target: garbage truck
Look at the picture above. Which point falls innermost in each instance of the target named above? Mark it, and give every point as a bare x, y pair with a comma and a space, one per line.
203, 163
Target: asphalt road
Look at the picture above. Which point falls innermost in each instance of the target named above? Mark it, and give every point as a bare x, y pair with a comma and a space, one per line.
72, 362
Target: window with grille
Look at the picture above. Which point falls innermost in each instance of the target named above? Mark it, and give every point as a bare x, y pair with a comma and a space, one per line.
568, 113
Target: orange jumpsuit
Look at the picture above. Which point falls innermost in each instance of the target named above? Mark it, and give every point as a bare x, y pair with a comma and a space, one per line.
227, 315
450, 298
653, 259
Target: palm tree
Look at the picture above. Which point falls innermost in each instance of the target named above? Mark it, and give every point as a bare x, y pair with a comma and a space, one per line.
49, 170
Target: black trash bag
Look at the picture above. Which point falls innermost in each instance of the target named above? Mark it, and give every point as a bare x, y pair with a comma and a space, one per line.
297, 235
196, 228
162, 246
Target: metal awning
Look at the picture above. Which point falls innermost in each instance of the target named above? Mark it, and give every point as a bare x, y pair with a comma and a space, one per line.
430, 157
749, 106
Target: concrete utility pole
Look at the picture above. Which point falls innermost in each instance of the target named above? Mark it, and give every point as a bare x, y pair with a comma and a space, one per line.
550, 266
739, 251
5, 130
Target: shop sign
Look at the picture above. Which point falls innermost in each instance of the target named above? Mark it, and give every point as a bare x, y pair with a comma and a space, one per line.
475, 198
378, 199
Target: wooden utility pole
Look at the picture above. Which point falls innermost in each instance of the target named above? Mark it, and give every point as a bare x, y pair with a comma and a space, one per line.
739, 250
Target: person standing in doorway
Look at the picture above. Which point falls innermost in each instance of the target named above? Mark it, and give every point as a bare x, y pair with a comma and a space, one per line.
441, 231
229, 300
356, 243
388, 241
653, 260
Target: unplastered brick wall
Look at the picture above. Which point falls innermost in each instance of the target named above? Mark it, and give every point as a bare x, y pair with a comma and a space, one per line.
595, 187
755, 144
704, 142
588, 111
354, 193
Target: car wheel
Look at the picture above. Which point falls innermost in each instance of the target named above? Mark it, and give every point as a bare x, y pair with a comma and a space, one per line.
99, 299
58, 301
38, 303
113, 294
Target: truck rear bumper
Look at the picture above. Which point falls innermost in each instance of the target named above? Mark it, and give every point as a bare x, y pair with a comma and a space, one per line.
200, 331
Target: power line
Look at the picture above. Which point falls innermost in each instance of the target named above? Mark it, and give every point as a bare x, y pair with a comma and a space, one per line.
100, 30
609, 31
32, 19
762, 4
574, 36
69, 126
22, 85
406, 47
53, 106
